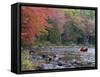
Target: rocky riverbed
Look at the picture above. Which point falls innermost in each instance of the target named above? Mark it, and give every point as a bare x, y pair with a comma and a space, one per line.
58, 58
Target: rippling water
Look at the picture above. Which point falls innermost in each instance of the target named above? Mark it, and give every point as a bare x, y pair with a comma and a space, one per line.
75, 49
85, 58
88, 56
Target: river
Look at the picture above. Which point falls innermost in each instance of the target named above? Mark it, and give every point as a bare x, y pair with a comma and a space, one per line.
85, 59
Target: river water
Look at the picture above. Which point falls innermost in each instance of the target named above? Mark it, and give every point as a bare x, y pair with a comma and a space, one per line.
87, 59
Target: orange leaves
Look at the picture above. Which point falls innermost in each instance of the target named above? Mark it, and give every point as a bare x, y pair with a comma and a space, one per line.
37, 21
33, 22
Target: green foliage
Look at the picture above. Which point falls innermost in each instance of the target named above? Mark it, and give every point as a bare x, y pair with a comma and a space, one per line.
90, 14
54, 35
26, 61
71, 33
72, 12
27, 64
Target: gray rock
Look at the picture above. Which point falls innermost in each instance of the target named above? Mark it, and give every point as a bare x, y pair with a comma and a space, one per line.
59, 67
47, 66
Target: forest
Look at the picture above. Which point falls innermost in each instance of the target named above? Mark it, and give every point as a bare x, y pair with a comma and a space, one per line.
48, 32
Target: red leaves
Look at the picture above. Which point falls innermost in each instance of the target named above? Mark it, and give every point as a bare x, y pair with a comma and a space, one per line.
34, 21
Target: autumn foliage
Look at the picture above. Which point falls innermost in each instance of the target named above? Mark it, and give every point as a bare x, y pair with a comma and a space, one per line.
35, 22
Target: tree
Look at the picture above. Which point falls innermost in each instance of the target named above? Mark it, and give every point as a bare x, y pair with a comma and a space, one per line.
71, 33
35, 22
84, 20
54, 36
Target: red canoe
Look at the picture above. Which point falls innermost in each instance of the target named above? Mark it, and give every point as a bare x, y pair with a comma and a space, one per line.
84, 49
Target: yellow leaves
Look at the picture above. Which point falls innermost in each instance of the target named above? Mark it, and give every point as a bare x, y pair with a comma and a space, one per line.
72, 12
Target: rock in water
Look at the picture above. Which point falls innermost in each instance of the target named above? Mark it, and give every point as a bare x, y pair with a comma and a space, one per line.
47, 66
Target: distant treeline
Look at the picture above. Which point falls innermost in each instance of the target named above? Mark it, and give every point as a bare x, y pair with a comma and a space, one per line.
53, 26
